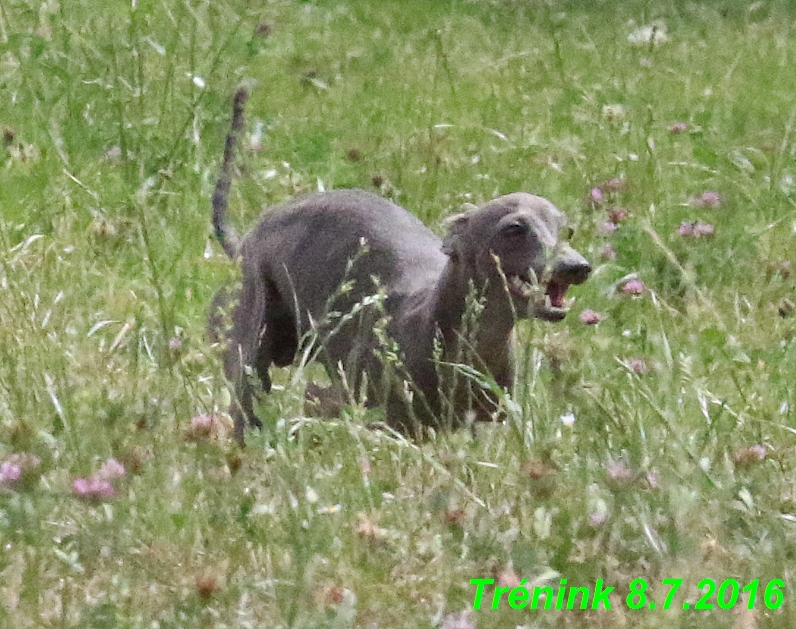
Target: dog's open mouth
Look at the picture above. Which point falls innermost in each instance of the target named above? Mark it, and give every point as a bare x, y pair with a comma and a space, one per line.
550, 305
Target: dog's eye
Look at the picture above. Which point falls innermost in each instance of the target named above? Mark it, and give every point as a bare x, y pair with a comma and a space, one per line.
516, 229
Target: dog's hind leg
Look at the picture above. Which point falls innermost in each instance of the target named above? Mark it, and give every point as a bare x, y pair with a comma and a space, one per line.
278, 341
246, 350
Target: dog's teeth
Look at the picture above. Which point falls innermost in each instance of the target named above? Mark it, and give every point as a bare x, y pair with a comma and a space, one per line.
547, 303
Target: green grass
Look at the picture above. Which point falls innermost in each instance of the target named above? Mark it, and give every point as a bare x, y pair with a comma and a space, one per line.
118, 117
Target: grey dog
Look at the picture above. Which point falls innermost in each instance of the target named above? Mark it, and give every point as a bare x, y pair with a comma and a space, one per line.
389, 309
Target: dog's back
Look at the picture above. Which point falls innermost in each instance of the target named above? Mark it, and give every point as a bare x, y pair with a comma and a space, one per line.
309, 246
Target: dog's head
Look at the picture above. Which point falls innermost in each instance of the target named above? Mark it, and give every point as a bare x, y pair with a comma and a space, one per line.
515, 244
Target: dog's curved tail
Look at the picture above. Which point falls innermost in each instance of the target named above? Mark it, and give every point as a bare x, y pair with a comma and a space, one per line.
226, 234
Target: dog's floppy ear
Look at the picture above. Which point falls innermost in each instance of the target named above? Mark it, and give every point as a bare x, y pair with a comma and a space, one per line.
457, 225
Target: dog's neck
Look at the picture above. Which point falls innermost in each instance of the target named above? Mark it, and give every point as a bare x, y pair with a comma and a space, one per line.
490, 332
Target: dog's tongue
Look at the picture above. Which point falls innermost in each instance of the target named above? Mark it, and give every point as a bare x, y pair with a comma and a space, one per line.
556, 292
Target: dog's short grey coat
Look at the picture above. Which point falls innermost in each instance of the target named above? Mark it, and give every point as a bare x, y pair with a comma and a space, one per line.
315, 262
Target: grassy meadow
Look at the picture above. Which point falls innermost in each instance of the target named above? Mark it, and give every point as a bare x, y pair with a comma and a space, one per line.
651, 435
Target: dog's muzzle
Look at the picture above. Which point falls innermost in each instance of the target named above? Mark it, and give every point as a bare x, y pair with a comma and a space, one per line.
569, 268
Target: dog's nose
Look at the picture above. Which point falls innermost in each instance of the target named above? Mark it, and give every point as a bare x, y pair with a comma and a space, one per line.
573, 269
